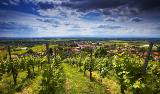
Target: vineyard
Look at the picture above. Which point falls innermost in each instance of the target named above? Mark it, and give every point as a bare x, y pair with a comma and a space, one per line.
80, 67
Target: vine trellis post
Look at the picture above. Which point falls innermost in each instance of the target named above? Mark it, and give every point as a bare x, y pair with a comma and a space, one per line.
90, 69
47, 52
147, 58
145, 65
9, 52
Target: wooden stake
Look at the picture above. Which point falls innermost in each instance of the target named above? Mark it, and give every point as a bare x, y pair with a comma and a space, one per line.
48, 54
90, 70
9, 53
147, 58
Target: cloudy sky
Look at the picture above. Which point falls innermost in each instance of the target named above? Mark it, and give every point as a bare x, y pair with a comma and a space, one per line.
80, 18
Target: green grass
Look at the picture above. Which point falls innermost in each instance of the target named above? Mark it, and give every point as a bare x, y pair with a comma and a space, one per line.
110, 82
7, 86
38, 48
33, 88
76, 83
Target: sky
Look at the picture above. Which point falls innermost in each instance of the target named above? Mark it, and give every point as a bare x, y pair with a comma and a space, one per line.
80, 18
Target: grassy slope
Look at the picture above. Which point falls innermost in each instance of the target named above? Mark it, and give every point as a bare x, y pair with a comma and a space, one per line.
33, 88
110, 82
6, 84
76, 83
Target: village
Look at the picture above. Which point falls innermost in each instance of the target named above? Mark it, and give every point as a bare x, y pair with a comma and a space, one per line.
77, 46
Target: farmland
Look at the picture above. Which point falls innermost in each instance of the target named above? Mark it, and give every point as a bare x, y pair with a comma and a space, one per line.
75, 66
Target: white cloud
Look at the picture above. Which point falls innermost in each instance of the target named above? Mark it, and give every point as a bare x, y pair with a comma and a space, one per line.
43, 28
120, 14
52, 24
62, 12
14, 2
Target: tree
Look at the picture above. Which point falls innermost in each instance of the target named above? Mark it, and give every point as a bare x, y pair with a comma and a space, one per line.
100, 52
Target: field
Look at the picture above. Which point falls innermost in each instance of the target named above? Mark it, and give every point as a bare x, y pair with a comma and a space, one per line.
73, 66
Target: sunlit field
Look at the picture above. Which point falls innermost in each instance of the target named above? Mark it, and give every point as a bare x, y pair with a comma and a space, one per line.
80, 67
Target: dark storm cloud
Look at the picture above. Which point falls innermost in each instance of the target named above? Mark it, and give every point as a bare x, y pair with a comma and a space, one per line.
81, 5
108, 7
111, 20
101, 4
94, 4
136, 19
147, 4
91, 4
85, 5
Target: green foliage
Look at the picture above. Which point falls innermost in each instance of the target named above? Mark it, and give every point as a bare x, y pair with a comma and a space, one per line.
158, 48
103, 65
100, 52
126, 69
53, 79
30, 51
152, 78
